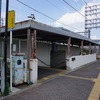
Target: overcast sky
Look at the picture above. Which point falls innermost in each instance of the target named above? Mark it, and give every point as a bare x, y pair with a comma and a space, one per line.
56, 9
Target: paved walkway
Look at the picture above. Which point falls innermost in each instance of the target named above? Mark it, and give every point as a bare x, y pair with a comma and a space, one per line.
44, 72
82, 84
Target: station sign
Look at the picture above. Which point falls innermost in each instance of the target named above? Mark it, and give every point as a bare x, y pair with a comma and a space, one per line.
11, 19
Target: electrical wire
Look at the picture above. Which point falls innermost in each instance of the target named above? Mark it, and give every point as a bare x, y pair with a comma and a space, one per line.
85, 2
77, 11
73, 7
64, 5
78, 3
56, 6
45, 15
20, 10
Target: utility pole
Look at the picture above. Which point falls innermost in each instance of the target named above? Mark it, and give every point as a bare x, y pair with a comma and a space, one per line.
5, 45
92, 20
89, 34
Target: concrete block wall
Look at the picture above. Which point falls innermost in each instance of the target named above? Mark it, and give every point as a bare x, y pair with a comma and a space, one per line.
77, 61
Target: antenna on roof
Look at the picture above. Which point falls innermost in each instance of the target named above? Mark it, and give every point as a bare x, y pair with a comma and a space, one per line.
32, 16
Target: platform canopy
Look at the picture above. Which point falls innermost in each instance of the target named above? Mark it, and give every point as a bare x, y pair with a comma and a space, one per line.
47, 33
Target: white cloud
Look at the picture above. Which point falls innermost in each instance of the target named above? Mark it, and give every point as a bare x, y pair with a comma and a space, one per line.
95, 37
74, 19
96, 1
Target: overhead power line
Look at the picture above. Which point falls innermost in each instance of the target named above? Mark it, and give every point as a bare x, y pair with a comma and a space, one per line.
45, 15
73, 7
56, 6
84, 2
77, 11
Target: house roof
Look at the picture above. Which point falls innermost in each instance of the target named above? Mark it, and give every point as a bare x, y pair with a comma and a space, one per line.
47, 33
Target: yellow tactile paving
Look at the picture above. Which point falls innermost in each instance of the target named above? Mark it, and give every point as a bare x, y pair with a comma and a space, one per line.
91, 79
94, 95
51, 76
52, 68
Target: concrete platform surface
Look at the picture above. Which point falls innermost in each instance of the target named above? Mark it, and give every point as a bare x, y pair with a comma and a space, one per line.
82, 84
90, 71
44, 72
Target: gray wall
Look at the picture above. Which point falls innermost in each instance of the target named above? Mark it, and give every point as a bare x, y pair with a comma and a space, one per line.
43, 50
43, 53
74, 50
58, 59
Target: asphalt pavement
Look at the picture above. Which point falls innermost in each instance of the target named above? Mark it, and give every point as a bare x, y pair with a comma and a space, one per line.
81, 84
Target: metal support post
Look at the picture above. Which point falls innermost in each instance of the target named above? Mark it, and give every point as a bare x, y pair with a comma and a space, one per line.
82, 47
34, 45
28, 54
89, 48
95, 49
19, 46
32, 34
11, 60
5, 41
99, 49
69, 44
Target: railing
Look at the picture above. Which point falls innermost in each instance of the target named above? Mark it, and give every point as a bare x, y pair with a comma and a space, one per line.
42, 61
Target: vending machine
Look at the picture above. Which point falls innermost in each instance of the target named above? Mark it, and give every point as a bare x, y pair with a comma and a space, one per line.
17, 69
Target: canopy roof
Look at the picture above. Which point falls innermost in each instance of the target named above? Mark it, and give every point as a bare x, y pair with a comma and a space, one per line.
47, 33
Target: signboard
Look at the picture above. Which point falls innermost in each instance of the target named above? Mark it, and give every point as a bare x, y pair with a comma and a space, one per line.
11, 19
